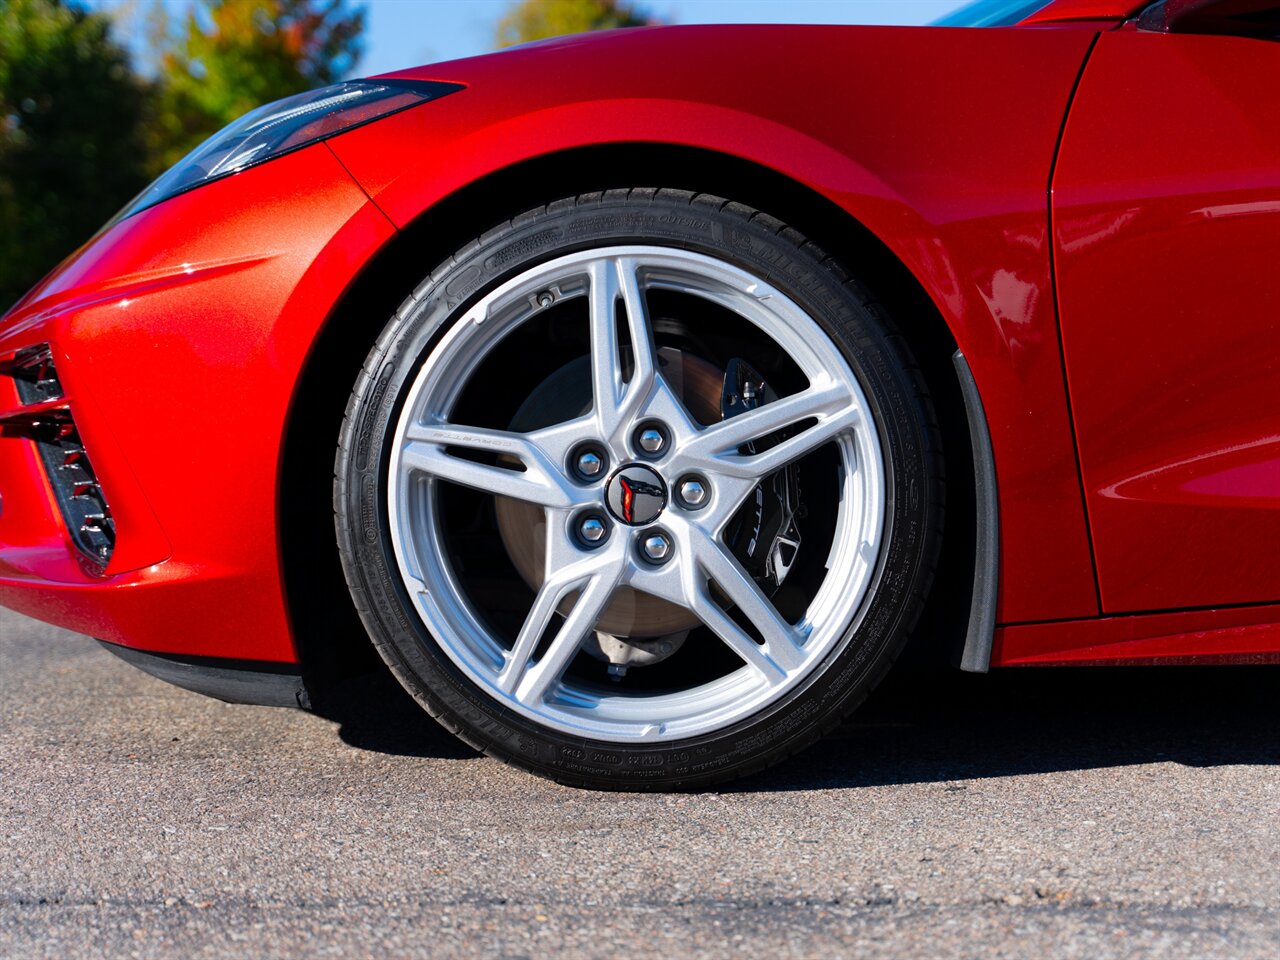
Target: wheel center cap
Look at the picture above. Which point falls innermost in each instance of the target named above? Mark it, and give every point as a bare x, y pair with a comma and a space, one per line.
636, 494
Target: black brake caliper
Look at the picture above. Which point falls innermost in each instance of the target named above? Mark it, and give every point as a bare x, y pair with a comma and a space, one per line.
763, 535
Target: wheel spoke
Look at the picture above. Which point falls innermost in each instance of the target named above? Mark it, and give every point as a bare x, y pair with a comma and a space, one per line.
617, 401
830, 405
540, 481
529, 684
550, 594
734, 637
781, 639
805, 442
665, 404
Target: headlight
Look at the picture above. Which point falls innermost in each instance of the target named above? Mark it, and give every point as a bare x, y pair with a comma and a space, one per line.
288, 124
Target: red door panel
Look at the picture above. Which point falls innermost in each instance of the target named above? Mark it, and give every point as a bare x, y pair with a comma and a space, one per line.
1166, 204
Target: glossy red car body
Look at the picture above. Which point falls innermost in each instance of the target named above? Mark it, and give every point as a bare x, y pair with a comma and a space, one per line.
1090, 208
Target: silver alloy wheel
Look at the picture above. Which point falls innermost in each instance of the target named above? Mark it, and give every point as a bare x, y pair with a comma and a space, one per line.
832, 409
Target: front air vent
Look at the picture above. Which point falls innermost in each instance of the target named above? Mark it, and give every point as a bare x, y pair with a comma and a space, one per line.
33, 373
44, 416
76, 488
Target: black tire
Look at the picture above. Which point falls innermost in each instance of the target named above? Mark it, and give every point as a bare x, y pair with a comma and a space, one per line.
865, 335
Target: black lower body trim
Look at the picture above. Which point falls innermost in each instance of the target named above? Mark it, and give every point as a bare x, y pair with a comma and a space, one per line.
234, 681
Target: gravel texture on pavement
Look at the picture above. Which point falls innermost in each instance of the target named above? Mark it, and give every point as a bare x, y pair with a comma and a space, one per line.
1069, 813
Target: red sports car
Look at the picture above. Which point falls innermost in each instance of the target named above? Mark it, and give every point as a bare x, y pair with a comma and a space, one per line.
638, 396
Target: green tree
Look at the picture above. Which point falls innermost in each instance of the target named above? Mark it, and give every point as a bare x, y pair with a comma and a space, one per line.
540, 19
70, 135
229, 56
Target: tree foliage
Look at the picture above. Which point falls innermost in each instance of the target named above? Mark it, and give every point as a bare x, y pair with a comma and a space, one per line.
80, 132
71, 150
540, 19
229, 56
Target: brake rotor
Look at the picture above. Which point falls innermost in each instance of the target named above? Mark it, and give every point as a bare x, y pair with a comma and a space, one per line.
567, 394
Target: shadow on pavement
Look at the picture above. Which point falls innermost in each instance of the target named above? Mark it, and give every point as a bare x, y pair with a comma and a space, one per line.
924, 727
944, 727
375, 713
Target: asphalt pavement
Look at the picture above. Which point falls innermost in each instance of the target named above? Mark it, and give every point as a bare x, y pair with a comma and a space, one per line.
1083, 813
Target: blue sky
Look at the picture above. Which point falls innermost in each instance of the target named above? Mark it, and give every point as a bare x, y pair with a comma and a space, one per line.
403, 33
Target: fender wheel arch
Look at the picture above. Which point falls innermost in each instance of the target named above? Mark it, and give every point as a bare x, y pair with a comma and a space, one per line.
331, 642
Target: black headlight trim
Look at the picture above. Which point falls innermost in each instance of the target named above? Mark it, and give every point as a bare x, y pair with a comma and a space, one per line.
430, 91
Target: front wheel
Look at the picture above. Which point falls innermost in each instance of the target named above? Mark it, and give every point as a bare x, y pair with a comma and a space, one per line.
639, 490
